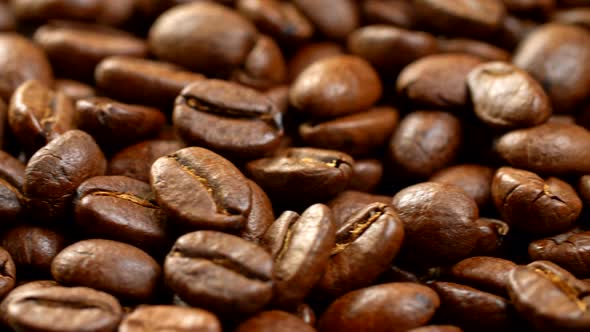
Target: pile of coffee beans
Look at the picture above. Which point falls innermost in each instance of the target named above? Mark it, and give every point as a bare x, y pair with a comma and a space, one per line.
295, 165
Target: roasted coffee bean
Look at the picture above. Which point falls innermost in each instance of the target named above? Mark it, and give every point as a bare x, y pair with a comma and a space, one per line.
261, 215
436, 328
38, 115
220, 196
425, 142
584, 188
310, 174
112, 123
480, 18
534, 149
437, 80
575, 16
475, 180
349, 202
387, 307
219, 272
365, 246
553, 46
569, 250
32, 248
191, 35
300, 246
313, 91
122, 209
310, 53
136, 161
167, 318
7, 273
485, 273
7, 17
107, 12
335, 19
506, 97
228, 118
533, 205
14, 293
474, 47
73, 89
274, 320
75, 49
12, 173
366, 175
356, 134
132, 275
55, 171
388, 48
20, 61
63, 309
4, 129
396, 12
264, 67
549, 297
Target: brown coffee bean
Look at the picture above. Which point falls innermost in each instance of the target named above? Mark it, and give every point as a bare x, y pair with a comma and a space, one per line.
106, 12
558, 46
486, 273
261, 215
309, 54
220, 196
310, 174
7, 17
436, 328
117, 124
300, 246
264, 67
274, 320
136, 160
190, 35
388, 48
7, 274
167, 318
133, 275
228, 118
365, 246
122, 209
313, 91
584, 188
348, 202
14, 294
425, 142
475, 180
366, 175
549, 297
474, 47
219, 272
575, 16
63, 309
387, 307
335, 19
534, 149
73, 89
397, 12
12, 202
75, 49
569, 250
55, 171
478, 18
437, 80
506, 97
21, 61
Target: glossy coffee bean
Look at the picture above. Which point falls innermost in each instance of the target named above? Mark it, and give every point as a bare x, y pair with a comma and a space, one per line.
63, 309
7, 274
504, 96
437, 80
313, 93
568, 250
334, 19
12, 173
228, 118
219, 272
190, 35
310, 174
425, 142
274, 320
133, 275
264, 67
73, 89
584, 188
533, 149
549, 297
485, 273
21, 61
365, 246
309, 53
396, 13
55, 171
474, 47
437, 328
366, 175
164, 318
261, 215
475, 180
386, 307
300, 246
533, 205
20, 289
349, 202
122, 209
220, 196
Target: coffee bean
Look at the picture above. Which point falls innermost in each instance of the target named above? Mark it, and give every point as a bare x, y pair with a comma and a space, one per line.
309, 54
7, 273
7, 17
366, 175
534, 149
64, 309
569, 250
549, 297
436, 328
229, 118
73, 89
55, 171
133, 275
486, 273
584, 188
474, 47
386, 307
300, 246
475, 180
167, 318
313, 93
533, 205
107, 12
14, 294
335, 19
21, 61
348, 202
261, 215
574, 16
396, 13
122, 209
219, 272
264, 67
274, 320
220, 196
12, 174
